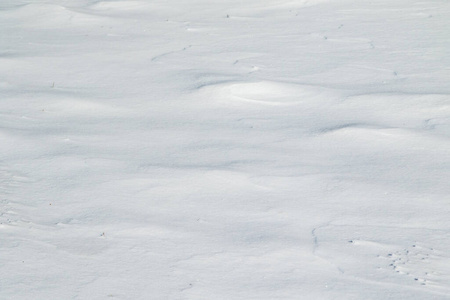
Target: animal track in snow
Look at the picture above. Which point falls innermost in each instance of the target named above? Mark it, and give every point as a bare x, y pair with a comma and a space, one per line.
404, 256
420, 263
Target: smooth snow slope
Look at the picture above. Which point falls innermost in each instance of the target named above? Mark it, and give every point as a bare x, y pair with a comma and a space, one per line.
209, 150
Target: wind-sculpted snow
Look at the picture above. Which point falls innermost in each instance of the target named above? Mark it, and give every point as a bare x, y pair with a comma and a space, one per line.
270, 93
260, 149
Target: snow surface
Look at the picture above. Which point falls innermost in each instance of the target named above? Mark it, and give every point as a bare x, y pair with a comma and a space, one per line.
257, 149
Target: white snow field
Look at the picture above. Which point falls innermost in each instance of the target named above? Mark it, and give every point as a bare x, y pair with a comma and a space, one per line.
224, 149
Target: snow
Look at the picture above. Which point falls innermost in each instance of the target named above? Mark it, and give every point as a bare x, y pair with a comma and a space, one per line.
268, 149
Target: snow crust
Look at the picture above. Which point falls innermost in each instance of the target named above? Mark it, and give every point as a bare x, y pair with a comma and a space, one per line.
268, 149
